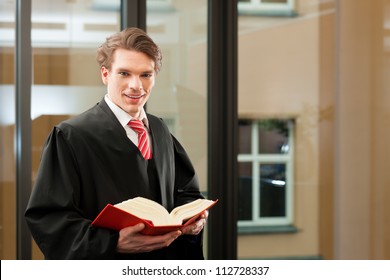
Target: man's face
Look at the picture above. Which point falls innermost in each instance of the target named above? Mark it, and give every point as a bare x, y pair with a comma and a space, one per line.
130, 80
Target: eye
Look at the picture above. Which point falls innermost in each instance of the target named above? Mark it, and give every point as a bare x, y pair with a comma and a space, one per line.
147, 75
122, 73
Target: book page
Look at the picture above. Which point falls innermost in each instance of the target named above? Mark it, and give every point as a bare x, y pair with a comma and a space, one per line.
147, 209
187, 211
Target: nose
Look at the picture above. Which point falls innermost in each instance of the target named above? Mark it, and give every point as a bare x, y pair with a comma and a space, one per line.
135, 83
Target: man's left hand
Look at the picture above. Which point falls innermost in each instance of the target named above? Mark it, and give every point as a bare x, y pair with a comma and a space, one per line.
197, 226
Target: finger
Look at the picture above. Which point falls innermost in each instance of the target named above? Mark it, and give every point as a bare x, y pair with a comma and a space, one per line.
149, 243
161, 241
204, 215
173, 237
194, 228
164, 239
137, 228
174, 234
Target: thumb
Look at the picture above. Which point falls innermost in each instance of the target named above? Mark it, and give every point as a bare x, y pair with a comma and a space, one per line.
138, 227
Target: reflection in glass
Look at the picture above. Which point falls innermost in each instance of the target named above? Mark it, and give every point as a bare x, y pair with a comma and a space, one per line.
180, 93
245, 191
273, 136
7, 131
244, 136
266, 148
272, 190
66, 76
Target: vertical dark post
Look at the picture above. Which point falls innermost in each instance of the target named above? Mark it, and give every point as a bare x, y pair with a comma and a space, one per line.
133, 14
223, 127
23, 124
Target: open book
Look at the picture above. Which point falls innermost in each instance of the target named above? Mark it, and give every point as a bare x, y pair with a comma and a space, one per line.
156, 218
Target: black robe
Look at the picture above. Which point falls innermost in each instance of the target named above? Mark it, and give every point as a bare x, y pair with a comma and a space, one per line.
87, 162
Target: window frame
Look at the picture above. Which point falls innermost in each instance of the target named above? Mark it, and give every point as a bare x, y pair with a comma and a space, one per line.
256, 159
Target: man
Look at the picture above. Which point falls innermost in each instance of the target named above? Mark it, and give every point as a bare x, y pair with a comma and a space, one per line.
93, 159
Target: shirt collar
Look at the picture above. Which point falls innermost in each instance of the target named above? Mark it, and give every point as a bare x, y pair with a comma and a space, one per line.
122, 116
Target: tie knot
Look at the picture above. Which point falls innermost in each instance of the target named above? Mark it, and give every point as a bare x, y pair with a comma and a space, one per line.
137, 126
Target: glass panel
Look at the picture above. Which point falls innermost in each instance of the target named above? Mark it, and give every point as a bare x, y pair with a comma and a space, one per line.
245, 190
273, 136
286, 69
7, 130
245, 137
65, 36
272, 190
180, 93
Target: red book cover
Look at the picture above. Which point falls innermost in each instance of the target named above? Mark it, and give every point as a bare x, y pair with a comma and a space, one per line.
114, 218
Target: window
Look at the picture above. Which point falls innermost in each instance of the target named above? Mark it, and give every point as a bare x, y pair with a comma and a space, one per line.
266, 7
265, 161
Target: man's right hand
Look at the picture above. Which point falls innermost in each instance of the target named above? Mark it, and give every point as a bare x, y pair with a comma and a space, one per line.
132, 241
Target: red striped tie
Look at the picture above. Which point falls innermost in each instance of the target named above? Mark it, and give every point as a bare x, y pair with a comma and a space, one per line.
143, 142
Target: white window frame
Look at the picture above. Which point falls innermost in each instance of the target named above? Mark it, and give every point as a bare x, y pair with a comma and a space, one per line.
256, 159
260, 6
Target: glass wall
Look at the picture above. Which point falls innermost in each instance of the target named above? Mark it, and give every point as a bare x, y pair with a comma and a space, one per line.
285, 62
279, 79
7, 131
66, 81
66, 76
180, 94
324, 66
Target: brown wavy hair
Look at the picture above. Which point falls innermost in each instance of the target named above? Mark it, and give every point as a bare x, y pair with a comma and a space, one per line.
131, 38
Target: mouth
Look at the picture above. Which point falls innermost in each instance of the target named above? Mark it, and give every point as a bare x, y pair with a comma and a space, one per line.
135, 96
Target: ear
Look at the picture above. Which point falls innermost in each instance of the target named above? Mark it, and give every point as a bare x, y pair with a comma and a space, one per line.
104, 74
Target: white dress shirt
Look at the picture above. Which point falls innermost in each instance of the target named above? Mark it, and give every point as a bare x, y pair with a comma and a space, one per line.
124, 118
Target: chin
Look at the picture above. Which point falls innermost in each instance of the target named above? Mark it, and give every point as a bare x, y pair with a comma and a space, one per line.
133, 110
